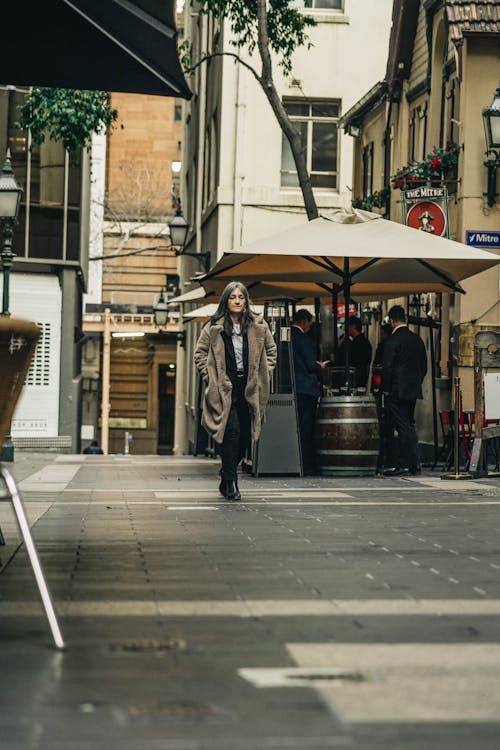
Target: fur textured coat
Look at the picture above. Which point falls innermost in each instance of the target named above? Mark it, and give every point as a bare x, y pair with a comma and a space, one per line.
210, 359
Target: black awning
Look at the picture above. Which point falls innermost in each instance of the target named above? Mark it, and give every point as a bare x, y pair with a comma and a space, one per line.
105, 45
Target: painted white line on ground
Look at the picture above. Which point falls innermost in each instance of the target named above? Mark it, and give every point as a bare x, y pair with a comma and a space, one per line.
261, 490
193, 507
260, 607
265, 503
279, 677
414, 682
50, 479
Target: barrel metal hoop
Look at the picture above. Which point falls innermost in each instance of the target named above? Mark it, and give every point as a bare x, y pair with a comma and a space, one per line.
347, 420
347, 453
347, 404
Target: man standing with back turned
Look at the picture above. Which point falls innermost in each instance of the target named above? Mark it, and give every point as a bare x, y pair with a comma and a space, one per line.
307, 385
404, 368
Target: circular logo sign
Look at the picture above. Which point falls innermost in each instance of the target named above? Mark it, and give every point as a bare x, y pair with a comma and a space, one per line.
427, 216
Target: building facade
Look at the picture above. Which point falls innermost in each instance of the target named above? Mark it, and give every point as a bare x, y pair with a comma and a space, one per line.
240, 182
129, 362
48, 278
443, 67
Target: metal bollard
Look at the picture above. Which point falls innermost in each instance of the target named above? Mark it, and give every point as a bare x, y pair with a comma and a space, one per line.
456, 436
128, 439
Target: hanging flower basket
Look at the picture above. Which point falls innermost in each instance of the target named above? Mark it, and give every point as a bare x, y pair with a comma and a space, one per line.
437, 167
377, 199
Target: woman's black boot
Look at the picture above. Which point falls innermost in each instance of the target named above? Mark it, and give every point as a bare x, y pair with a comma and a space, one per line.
222, 487
232, 491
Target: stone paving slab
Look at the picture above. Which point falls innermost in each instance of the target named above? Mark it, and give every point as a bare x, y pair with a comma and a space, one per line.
166, 592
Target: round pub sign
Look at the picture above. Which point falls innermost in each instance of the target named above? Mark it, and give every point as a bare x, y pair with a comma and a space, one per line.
427, 216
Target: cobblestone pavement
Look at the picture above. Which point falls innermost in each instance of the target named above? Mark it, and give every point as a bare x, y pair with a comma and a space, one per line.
317, 613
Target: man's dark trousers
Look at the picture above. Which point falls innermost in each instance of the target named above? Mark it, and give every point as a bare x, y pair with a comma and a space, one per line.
306, 407
402, 413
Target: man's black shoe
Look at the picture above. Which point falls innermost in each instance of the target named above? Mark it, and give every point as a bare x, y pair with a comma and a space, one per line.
396, 471
232, 492
414, 470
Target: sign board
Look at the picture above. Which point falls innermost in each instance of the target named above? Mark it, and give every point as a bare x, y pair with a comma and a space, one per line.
428, 193
353, 310
480, 238
492, 395
427, 216
426, 208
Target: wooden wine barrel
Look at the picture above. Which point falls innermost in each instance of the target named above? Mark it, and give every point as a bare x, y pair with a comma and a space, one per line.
347, 436
18, 339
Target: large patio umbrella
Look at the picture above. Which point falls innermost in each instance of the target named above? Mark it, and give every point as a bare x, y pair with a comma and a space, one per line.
353, 253
356, 253
108, 45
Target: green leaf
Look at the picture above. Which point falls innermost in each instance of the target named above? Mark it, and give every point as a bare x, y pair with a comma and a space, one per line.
67, 115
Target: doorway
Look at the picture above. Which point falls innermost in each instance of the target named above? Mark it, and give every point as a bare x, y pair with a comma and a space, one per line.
166, 409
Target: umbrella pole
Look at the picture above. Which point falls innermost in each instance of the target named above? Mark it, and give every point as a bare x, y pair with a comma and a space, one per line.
434, 405
347, 298
317, 315
335, 301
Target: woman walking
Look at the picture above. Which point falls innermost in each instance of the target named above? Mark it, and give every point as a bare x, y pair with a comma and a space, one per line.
235, 356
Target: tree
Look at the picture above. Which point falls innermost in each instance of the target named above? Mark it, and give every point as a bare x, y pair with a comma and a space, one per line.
67, 115
271, 26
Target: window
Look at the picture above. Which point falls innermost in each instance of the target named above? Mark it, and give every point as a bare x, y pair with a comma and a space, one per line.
49, 215
325, 4
368, 170
317, 126
39, 372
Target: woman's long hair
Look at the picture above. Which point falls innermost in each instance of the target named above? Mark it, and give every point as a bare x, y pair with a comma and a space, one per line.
222, 313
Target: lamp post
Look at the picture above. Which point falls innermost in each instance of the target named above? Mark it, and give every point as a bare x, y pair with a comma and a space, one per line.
491, 121
10, 196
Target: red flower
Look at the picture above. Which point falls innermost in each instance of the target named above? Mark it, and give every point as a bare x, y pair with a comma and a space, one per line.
436, 162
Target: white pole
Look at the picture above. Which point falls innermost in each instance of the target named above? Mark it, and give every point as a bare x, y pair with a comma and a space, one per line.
106, 356
33, 556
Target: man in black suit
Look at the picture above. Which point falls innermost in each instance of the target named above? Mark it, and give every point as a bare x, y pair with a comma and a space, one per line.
307, 384
404, 368
360, 352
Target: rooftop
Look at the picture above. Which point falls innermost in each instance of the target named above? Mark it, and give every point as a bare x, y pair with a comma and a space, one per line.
467, 17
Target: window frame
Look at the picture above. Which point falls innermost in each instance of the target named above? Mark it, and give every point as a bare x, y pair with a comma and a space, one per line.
323, 9
310, 119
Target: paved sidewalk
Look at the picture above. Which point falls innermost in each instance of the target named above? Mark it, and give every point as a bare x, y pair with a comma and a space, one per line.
318, 613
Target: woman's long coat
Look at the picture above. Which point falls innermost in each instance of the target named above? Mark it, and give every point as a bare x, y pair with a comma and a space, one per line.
210, 359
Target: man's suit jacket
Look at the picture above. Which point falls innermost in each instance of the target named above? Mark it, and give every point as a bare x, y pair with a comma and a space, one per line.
404, 365
305, 366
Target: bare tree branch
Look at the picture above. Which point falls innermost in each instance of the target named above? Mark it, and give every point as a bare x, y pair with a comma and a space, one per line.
225, 54
137, 251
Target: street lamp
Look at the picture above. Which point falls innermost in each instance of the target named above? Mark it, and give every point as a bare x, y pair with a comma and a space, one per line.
179, 229
160, 311
491, 121
10, 197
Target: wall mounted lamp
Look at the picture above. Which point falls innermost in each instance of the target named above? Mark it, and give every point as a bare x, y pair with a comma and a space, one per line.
491, 121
